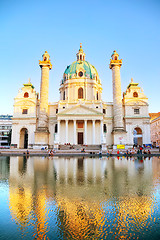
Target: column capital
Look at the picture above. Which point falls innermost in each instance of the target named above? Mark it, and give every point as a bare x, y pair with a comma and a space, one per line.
46, 61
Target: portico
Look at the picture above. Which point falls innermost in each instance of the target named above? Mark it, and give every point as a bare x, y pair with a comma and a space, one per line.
77, 131
80, 125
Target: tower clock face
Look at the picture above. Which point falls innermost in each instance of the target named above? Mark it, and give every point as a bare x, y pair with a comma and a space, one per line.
80, 74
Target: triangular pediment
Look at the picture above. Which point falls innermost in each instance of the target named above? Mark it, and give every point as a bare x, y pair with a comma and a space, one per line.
80, 110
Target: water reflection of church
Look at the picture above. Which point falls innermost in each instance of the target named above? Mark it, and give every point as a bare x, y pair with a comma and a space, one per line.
79, 188
80, 116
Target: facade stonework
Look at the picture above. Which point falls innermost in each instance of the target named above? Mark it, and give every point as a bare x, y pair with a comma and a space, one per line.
80, 116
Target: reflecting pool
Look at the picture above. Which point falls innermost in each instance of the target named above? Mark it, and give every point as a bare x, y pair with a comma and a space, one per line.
79, 198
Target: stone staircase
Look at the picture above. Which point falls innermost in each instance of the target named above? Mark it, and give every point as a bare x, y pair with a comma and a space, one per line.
79, 147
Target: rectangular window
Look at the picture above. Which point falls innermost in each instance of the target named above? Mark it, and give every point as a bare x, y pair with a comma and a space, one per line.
104, 111
25, 111
104, 128
56, 128
56, 110
136, 111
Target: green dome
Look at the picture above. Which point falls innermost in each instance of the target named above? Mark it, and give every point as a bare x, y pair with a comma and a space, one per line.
77, 66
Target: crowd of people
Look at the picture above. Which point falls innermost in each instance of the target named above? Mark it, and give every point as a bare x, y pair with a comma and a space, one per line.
135, 150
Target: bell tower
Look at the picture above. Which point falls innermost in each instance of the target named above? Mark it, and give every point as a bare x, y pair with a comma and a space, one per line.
118, 125
42, 131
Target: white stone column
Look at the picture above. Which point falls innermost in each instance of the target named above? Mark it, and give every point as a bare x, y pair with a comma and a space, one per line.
101, 131
85, 132
93, 130
66, 131
74, 133
59, 131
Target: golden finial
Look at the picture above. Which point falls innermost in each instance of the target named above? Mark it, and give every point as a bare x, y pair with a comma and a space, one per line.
80, 45
131, 80
29, 80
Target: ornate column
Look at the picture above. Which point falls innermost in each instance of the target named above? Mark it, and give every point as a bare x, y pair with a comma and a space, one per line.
66, 131
119, 133
85, 132
93, 130
115, 65
42, 130
74, 133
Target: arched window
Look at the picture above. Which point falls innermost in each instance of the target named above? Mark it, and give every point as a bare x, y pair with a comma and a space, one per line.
64, 95
135, 94
26, 95
80, 93
115, 57
81, 57
97, 95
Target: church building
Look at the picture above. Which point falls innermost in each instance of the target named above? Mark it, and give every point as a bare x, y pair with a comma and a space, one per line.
80, 117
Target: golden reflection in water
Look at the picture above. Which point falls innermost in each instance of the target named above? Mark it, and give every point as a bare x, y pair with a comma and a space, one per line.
81, 188
28, 208
133, 213
40, 216
20, 200
81, 219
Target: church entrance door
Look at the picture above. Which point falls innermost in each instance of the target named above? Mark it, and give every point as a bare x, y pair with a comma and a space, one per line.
23, 138
137, 136
80, 137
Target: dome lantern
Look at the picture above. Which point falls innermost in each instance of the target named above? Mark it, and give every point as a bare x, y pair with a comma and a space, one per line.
80, 54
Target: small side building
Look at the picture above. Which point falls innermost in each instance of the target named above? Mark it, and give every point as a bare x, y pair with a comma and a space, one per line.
136, 115
24, 120
5, 130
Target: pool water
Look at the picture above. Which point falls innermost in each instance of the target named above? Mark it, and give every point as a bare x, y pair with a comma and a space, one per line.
79, 198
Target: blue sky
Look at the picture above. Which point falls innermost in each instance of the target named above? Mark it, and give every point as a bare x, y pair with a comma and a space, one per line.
28, 28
